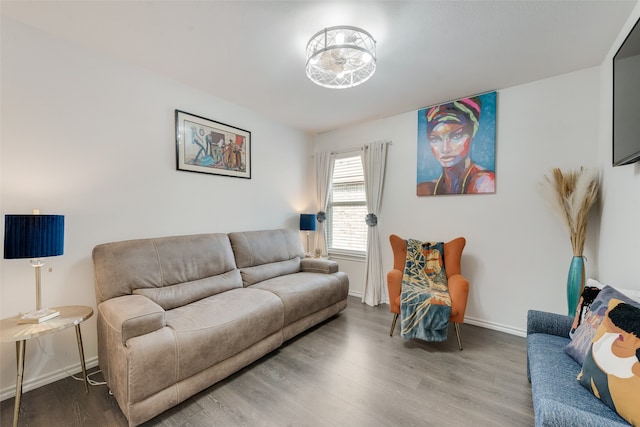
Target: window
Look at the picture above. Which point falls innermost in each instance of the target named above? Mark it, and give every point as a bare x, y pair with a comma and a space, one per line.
347, 208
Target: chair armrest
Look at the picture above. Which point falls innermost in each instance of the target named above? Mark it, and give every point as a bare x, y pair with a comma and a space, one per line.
542, 322
459, 293
132, 315
318, 265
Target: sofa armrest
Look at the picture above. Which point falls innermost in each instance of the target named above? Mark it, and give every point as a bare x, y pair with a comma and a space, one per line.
132, 315
318, 265
542, 322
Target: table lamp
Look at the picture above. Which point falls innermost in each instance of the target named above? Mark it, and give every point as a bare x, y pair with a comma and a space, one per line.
308, 224
34, 236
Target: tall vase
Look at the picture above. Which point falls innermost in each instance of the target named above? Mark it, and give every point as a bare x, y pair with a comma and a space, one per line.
575, 283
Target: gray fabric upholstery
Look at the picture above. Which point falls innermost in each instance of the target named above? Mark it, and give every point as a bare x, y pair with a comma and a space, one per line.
318, 265
253, 248
122, 267
265, 254
173, 296
132, 316
558, 398
258, 273
305, 293
210, 330
174, 316
293, 329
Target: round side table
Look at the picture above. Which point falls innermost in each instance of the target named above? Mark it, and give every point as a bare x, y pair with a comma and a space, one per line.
11, 330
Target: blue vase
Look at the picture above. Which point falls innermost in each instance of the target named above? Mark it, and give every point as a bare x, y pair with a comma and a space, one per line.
575, 283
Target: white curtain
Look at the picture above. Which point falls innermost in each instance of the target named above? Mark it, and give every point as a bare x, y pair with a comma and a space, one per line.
324, 171
374, 161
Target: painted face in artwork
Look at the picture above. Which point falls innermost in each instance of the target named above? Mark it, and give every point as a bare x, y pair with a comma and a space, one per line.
450, 143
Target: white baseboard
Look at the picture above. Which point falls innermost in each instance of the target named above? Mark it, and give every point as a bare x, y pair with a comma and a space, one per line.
355, 294
358, 295
495, 326
33, 383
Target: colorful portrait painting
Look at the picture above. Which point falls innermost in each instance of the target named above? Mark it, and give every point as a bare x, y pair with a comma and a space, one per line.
457, 147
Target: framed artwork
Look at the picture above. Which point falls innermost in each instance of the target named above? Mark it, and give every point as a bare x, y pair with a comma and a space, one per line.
207, 146
457, 147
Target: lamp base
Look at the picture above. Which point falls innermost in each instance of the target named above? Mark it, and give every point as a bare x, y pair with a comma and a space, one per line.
38, 316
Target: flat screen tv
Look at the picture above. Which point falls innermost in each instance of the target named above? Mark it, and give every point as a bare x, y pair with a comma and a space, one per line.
626, 100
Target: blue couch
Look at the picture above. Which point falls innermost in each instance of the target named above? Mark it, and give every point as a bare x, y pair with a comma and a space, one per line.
558, 398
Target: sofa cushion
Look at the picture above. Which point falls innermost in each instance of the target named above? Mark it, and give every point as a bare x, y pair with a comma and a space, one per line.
169, 297
558, 398
306, 293
583, 335
265, 246
259, 273
122, 267
210, 330
279, 251
611, 369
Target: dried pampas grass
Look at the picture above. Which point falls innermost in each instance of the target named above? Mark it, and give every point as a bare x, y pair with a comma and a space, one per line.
571, 195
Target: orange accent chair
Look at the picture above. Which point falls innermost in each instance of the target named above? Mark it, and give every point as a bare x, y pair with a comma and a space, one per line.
458, 284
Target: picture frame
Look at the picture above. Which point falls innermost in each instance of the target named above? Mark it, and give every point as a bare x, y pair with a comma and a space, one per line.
207, 146
457, 147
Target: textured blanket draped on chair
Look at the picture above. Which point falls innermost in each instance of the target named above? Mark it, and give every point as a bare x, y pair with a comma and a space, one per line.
424, 302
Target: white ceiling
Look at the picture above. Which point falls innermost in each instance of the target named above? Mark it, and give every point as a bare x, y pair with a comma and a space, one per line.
252, 53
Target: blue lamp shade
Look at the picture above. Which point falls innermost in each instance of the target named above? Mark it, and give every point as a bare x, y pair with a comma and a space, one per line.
33, 236
307, 222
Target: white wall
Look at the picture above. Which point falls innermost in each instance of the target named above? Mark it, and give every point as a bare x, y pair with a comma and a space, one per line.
92, 138
517, 254
619, 246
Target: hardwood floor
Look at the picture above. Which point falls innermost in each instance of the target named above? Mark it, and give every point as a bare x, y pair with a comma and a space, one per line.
347, 371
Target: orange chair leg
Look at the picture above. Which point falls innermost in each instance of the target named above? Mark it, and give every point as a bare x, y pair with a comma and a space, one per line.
393, 324
457, 328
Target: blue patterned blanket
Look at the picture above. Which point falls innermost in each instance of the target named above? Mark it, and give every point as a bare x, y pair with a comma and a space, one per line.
425, 304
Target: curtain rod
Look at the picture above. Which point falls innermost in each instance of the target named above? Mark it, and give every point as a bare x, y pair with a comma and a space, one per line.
349, 150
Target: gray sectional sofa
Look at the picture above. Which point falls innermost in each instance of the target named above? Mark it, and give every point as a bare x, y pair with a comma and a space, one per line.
558, 398
177, 314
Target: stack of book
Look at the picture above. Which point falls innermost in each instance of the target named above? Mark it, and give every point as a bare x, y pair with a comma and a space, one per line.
38, 316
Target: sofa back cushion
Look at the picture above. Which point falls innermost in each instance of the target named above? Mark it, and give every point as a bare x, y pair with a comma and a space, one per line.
171, 271
173, 296
264, 254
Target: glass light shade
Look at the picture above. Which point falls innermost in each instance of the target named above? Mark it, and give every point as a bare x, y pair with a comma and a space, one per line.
341, 57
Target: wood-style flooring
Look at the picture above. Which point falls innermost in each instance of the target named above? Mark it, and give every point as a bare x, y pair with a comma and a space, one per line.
347, 371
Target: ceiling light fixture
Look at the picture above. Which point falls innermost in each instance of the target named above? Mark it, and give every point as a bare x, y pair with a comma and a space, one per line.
341, 57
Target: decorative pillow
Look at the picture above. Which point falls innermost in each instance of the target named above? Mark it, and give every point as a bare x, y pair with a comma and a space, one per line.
634, 294
586, 299
583, 335
611, 369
